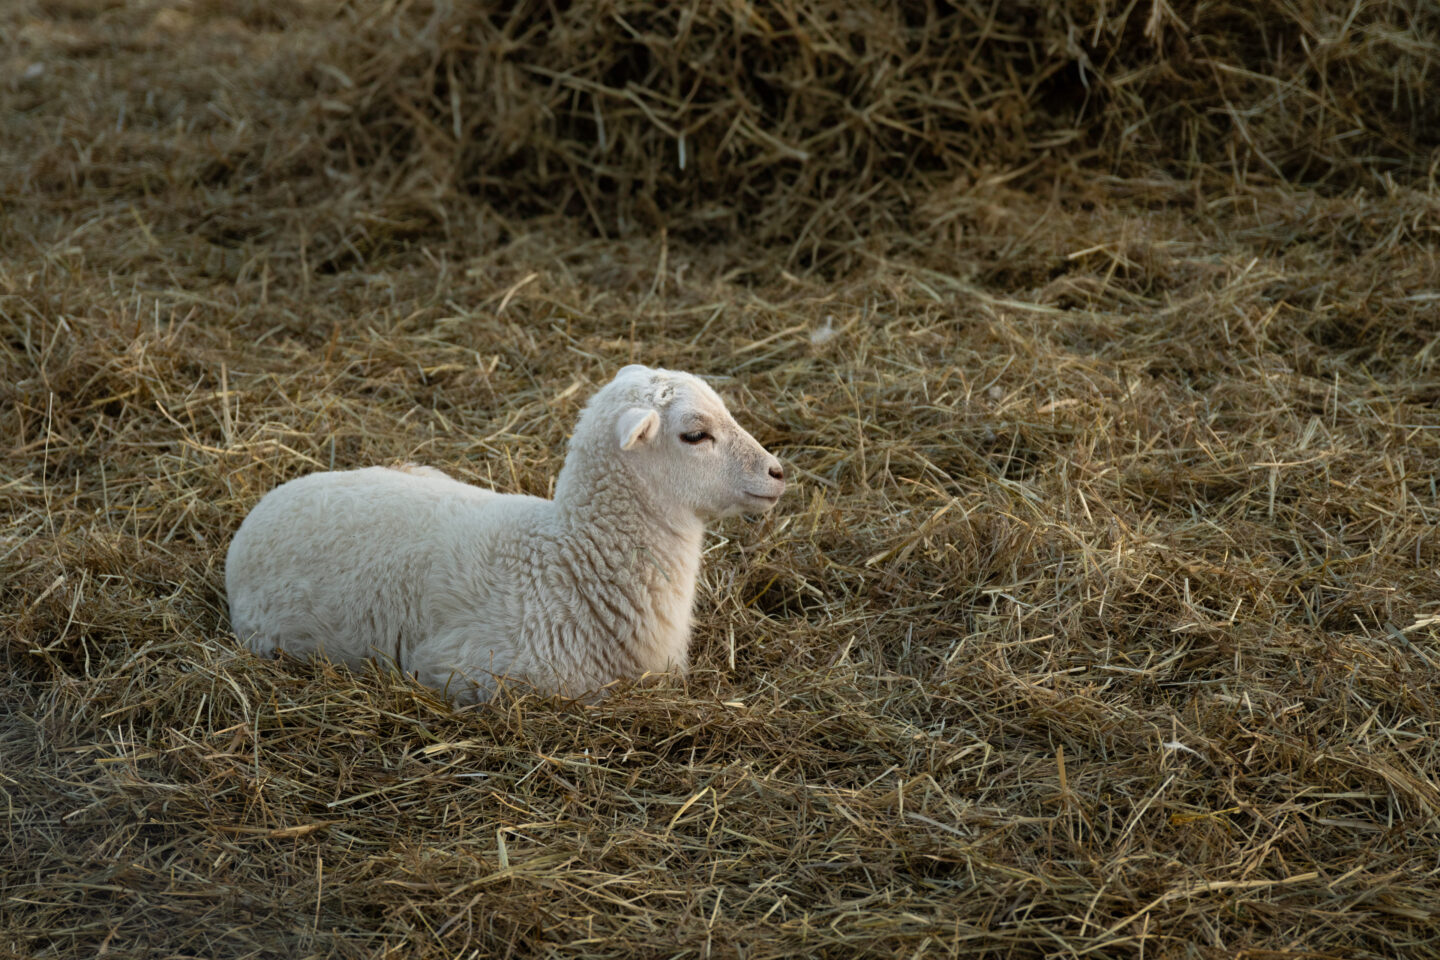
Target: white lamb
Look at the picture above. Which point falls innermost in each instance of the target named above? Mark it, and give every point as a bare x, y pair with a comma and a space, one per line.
461, 585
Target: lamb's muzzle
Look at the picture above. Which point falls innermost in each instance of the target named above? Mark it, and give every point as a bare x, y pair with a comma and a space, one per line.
462, 585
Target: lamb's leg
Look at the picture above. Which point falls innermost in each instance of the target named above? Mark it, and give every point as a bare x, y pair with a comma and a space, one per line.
262, 645
301, 646
433, 664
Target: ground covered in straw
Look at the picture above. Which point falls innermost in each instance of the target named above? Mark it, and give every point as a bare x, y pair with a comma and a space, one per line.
1102, 618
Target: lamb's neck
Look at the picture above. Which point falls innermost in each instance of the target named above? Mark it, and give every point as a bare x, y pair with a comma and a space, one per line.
634, 567
604, 505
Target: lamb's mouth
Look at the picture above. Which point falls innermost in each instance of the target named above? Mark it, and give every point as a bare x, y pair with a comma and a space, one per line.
767, 497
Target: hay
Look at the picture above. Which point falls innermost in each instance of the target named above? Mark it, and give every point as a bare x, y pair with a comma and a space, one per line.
818, 124
818, 128
1103, 620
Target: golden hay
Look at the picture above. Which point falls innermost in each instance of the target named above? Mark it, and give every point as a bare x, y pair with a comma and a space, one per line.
1104, 618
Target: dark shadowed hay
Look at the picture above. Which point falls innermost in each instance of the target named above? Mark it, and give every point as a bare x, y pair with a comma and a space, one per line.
815, 125
1103, 619
816, 129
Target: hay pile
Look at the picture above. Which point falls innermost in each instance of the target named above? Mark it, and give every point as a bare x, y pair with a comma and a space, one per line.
815, 124
1103, 620
816, 130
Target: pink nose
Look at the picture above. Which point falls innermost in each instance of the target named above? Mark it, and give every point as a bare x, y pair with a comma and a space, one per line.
778, 472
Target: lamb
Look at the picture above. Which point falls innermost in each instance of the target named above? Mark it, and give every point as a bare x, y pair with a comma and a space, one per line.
461, 585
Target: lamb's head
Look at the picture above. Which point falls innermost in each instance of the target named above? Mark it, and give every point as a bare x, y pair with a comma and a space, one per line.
675, 438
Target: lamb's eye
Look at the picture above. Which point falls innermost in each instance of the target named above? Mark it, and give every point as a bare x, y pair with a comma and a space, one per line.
699, 436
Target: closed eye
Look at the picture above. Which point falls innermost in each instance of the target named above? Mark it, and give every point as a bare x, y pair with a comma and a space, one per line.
698, 436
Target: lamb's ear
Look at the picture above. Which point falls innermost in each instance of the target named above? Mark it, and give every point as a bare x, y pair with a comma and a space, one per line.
637, 425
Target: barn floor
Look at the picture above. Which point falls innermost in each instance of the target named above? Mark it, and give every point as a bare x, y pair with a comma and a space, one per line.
1101, 619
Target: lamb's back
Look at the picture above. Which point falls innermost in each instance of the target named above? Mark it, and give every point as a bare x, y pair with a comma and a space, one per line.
349, 563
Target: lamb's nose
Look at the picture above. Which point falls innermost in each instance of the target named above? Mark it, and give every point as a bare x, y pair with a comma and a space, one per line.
778, 472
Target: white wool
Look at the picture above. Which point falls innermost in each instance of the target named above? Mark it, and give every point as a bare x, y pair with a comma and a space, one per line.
461, 585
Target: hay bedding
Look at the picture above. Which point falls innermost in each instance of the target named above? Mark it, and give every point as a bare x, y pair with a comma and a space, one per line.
1102, 621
